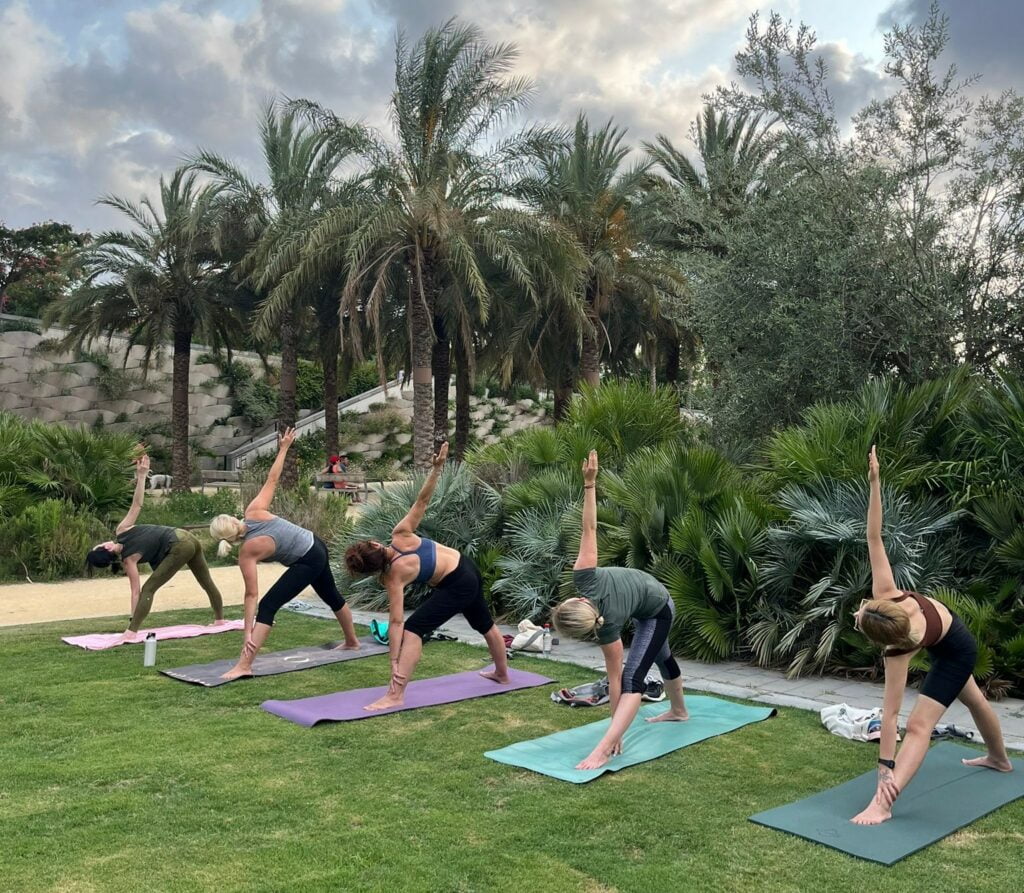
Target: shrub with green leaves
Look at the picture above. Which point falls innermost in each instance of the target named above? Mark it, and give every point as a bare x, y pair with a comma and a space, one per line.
49, 540
185, 509
816, 570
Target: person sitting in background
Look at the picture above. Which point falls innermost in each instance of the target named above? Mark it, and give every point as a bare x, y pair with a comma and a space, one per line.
336, 465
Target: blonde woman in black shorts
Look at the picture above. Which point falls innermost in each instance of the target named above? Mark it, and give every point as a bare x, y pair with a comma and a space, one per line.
904, 623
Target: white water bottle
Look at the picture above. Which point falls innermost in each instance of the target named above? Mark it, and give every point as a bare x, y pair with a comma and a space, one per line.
149, 650
546, 640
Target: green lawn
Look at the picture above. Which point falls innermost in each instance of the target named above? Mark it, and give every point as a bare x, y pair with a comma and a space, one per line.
117, 778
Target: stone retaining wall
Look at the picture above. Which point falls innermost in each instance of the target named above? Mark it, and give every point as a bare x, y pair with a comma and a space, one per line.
40, 382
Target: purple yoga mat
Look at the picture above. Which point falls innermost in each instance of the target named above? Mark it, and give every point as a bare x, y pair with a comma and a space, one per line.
345, 705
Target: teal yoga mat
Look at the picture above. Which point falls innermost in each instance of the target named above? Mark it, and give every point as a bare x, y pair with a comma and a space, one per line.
557, 754
943, 797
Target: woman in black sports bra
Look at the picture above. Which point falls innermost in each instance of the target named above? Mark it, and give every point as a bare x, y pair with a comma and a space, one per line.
905, 622
457, 589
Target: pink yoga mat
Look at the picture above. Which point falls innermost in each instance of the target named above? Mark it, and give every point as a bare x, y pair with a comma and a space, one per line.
346, 705
103, 641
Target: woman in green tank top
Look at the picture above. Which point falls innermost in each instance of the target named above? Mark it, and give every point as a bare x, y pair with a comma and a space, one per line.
165, 549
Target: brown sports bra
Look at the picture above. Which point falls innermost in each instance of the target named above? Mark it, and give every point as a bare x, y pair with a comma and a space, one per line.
932, 625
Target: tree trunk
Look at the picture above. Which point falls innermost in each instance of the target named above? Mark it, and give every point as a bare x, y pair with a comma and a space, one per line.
563, 389
329, 344
181, 470
462, 393
331, 405
670, 351
590, 354
286, 413
421, 334
441, 367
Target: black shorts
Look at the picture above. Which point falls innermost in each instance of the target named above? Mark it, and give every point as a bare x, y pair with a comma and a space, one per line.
460, 592
952, 664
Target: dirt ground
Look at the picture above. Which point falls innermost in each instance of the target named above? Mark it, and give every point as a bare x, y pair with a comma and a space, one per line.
109, 597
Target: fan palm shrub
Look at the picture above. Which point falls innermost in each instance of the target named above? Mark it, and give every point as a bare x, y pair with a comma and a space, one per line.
816, 570
687, 515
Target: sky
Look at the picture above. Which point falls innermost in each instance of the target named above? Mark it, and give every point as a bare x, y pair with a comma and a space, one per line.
103, 96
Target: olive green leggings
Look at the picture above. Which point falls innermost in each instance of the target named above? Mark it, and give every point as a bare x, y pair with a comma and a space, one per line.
187, 550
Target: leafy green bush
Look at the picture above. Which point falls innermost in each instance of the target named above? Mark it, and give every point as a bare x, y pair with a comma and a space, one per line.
817, 570
19, 325
184, 509
92, 470
48, 540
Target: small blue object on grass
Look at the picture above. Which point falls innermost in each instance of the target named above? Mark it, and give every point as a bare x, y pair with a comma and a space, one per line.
557, 754
943, 797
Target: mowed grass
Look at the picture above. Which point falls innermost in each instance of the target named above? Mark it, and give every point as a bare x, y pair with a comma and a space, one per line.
116, 778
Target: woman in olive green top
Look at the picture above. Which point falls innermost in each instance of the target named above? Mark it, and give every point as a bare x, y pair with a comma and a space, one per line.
609, 598
165, 549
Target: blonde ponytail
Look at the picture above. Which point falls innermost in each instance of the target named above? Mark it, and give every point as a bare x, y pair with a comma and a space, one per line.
576, 618
228, 530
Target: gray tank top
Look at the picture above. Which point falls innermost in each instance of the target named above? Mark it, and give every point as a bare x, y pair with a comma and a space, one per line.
291, 542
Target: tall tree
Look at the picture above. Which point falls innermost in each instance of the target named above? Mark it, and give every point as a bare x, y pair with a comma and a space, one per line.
34, 270
436, 207
161, 282
580, 183
301, 162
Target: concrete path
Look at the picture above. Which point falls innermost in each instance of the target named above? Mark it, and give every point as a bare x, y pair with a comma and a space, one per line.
736, 680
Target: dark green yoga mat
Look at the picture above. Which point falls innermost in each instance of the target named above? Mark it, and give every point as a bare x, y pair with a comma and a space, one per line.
943, 797
557, 754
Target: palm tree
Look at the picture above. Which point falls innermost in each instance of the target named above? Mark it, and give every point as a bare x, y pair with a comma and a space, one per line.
161, 282
733, 152
436, 209
301, 162
581, 185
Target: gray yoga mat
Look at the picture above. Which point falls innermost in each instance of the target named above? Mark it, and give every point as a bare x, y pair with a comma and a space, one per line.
557, 754
275, 662
943, 797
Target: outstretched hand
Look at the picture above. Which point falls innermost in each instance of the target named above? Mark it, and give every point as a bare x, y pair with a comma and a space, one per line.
590, 468
142, 466
286, 438
441, 457
873, 473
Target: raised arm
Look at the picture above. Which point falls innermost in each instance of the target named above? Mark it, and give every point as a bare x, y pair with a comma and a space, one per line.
588, 536
261, 503
412, 520
883, 584
141, 472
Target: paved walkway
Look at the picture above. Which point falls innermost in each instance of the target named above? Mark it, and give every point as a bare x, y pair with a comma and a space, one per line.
736, 680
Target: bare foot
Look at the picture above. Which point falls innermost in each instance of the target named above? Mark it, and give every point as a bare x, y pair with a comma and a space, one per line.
594, 761
386, 703
345, 646
131, 638
670, 716
987, 762
219, 622
236, 672
875, 814
495, 676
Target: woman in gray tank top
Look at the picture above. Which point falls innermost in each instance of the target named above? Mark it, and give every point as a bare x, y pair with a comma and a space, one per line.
165, 549
266, 537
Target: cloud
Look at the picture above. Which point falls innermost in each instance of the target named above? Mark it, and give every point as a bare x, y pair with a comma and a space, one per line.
984, 37
112, 97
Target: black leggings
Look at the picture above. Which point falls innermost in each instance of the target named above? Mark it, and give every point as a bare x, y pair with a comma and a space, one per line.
460, 592
650, 646
312, 569
952, 664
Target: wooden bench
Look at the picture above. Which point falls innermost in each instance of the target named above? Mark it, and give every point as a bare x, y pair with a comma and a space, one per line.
218, 477
354, 484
